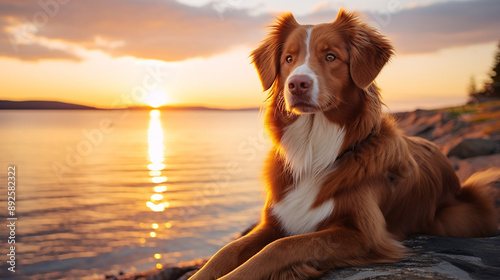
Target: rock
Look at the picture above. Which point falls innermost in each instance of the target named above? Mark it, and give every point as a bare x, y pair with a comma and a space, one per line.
173, 273
421, 123
491, 109
448, 127
426, 113
475, 147
430, 125
435, 258
466, 167
429, 257
189, 274
448, 116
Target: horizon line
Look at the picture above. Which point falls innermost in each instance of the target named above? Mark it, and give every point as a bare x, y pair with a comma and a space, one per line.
63, 105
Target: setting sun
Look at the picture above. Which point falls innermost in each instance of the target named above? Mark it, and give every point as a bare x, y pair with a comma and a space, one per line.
156, 98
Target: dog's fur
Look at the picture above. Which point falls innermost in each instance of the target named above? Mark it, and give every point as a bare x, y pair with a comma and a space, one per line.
344, 184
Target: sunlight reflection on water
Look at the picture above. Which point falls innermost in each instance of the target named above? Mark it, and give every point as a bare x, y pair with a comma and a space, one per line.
156, 148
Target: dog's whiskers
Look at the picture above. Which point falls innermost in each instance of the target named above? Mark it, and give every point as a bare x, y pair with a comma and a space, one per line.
281, 106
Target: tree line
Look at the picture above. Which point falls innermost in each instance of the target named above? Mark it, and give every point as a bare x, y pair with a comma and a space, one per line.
490, 88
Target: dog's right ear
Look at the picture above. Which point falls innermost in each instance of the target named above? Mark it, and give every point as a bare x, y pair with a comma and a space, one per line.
267, 56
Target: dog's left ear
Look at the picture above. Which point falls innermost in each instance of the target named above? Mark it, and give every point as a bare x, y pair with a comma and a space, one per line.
369, 51
267, 56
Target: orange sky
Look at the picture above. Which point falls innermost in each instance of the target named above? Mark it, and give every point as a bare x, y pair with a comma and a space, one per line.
110, 53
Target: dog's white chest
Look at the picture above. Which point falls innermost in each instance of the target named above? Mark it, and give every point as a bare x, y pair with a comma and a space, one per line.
309, 146
294, 212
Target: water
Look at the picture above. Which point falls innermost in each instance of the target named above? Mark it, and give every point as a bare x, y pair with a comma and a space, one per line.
107, 191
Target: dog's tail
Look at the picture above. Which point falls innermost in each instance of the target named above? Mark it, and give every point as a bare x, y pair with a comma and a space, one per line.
473, 212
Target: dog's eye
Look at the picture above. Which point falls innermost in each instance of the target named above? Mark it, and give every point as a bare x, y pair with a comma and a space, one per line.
330, 57
289, 59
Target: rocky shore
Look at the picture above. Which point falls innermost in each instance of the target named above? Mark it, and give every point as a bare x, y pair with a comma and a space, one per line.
470, 136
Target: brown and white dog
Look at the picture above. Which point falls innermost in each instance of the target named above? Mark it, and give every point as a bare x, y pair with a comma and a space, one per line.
344, 184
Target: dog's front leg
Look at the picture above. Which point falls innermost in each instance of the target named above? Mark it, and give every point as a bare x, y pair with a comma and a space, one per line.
236, 253
308, 255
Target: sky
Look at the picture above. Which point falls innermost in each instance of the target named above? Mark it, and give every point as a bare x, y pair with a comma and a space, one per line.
117, 53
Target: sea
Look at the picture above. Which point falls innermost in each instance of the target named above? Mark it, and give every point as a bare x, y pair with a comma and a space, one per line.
89, 193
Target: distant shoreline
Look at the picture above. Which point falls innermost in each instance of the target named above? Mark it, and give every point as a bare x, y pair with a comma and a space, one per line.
41, 105
56, 105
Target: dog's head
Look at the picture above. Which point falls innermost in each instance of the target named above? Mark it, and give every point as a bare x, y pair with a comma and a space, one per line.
314, 67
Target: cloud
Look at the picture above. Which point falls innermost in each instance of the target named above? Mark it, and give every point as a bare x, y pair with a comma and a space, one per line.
150, 29
442, 25
430, 27
171, 31
25, 46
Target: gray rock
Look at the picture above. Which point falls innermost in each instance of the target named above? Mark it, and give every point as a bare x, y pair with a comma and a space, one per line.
491, 109
435, 258
448, 128
429, 257
422, 123
474, 147
174, 273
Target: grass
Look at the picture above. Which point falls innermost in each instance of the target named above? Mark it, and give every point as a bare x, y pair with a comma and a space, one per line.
474, 108
464, 109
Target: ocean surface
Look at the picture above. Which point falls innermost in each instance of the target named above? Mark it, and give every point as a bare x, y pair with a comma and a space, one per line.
99, 192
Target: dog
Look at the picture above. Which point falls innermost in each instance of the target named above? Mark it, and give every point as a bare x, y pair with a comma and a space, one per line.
345, 186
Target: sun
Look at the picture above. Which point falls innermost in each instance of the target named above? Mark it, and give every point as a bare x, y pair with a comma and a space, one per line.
156, 98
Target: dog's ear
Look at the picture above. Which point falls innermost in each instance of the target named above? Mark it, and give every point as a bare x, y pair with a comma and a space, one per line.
267, 56
369, 51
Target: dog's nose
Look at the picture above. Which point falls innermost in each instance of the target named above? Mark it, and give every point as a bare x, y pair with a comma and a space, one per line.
299, 84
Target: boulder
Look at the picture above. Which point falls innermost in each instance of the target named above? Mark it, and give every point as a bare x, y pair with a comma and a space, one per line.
491, 109
174, 273
434, 257
474, 147
429, 257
